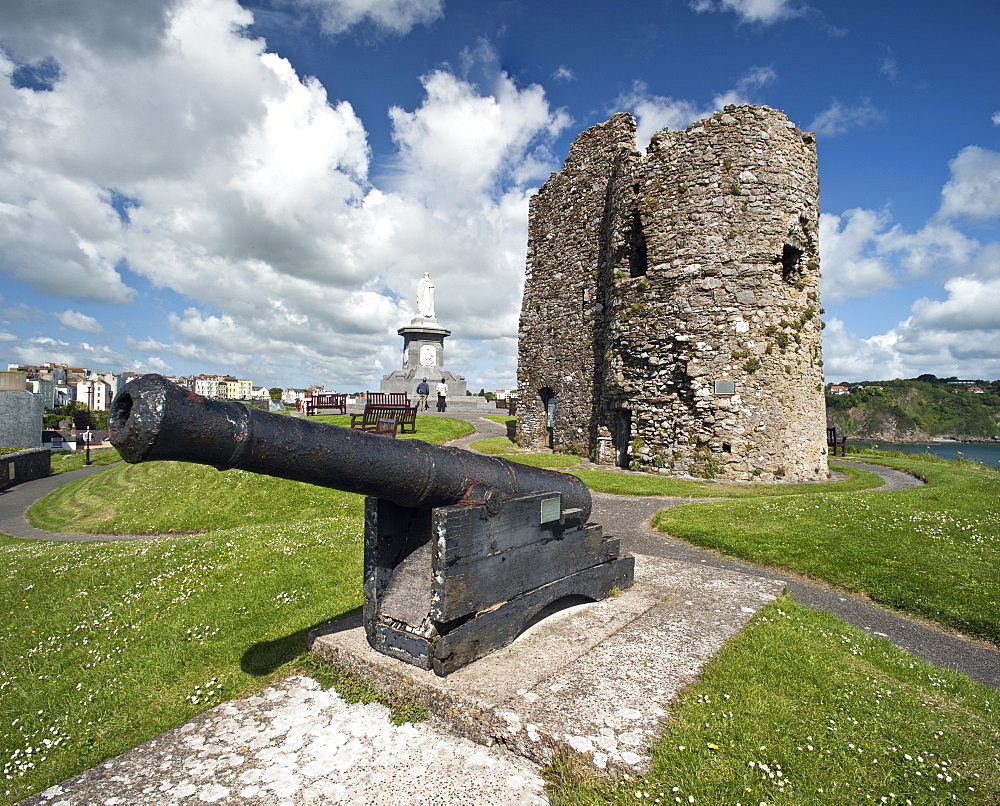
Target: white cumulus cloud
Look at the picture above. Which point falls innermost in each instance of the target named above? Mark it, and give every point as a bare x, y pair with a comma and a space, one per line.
955, 331
846, 357
80, 321
839, 118
462, 140
852, 264
965, 308
936, 249
395, 16
765, 12
655, 112
973, 191
190, 158
863, 253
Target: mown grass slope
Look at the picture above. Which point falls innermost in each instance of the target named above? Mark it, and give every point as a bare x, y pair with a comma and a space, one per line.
107, 644
933, 551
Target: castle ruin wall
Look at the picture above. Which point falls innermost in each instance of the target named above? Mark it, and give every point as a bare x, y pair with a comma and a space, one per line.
672, 303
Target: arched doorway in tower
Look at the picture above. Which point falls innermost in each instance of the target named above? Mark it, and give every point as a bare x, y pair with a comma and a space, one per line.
621, 437
549, 413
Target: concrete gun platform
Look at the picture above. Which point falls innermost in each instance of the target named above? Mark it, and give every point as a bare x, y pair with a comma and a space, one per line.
592, 679
295, 744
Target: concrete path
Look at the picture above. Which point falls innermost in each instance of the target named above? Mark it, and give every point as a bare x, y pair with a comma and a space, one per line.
627, 518
296, 745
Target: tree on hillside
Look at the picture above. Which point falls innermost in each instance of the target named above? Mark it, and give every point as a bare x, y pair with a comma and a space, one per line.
917, 405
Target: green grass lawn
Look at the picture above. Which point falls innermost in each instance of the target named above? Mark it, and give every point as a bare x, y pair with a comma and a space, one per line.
177, 497
552, 460
505, 448
64, 461
618, 483
801, 709
429, 428
933, 551
107, 644
496, 445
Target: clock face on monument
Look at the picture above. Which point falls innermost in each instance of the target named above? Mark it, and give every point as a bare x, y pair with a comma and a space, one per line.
428, 355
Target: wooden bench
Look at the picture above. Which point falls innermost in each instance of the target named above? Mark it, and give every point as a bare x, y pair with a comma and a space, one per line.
387, 399
368, 419
323, 400
385, 427
387, 404
404, 416
836, 444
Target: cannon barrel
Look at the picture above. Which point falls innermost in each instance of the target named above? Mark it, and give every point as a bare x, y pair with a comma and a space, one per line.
154, 419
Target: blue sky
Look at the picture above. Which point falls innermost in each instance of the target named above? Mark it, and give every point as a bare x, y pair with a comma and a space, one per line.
196, 186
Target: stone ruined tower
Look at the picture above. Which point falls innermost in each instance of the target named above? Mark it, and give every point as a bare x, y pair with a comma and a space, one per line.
671, 314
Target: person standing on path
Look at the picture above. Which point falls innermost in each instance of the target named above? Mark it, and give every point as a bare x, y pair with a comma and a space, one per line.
423, 390
442, 394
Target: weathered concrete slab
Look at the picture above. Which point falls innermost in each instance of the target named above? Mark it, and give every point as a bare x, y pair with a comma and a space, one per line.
295, 744
594, 679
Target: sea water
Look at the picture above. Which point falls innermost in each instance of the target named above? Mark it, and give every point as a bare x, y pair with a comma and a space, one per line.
985, 453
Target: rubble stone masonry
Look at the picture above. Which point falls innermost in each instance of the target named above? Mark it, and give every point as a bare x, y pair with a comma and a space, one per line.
671, 314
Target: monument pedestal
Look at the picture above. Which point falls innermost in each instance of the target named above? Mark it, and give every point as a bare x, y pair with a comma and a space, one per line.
423, 357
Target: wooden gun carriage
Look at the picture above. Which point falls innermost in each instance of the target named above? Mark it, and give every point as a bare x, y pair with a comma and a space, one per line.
462, 551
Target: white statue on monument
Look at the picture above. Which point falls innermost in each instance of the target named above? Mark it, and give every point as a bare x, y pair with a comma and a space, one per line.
425, 296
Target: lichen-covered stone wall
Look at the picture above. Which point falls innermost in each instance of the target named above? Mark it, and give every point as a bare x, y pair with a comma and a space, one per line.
569, 226
671, 304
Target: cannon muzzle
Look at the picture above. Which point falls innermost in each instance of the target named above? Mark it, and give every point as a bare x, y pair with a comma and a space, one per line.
154, 419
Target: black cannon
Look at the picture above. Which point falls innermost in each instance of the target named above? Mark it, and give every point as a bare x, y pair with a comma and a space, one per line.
462, 551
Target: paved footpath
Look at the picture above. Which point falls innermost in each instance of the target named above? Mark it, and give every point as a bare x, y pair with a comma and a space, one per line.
627, 518
297, 745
